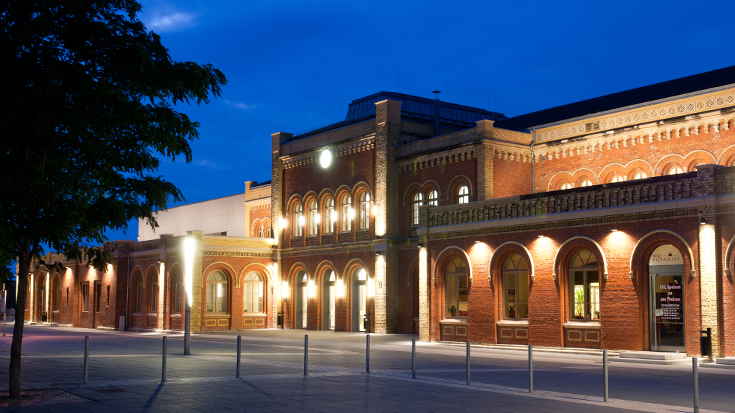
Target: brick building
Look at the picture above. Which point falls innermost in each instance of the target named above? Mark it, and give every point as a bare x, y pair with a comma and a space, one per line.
606, 223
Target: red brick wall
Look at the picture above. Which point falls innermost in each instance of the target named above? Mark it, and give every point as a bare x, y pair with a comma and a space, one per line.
511, 178
599, 166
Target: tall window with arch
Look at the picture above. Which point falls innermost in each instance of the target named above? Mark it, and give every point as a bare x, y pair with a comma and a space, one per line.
217, 293
515, 287
253, 292
178, 293
347, 213
298, 220
364, 210
302, 302
153, 301
329, 300
456, 285
313, 217
584, 286
138, 307
360, 292
56, 298
433, 198
418, 200
261, 231
330, 216
463, 194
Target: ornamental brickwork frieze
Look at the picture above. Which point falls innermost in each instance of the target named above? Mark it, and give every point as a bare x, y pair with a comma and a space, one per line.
323, 139
437, 143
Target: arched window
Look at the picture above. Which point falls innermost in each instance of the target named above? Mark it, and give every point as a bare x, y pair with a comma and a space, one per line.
418, 200
617, 178
584, 286
298, 220
433, 198
268, 230
347, 213
675, 170
153, 301
463, 195
138, 307
330, 216
515, 287
455, 274
178, 291
313, 218
329, 300
584, 183
364, 210
566, 185
303, 300
261, 231
217, 292
253, 293
640, 175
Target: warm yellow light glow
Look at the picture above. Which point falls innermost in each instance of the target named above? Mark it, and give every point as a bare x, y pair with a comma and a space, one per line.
109, 269
334, 216
375, 209
325, 158
340, 288
219, 290
352, 213
282, 222
317, 218
371, 288
311, 289
362, 275
302, 221
188, 266
284, 289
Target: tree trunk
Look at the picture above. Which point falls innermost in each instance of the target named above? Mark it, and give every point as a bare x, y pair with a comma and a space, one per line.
24, 263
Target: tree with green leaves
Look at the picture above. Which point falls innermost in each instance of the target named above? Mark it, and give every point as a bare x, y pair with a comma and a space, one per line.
88, 101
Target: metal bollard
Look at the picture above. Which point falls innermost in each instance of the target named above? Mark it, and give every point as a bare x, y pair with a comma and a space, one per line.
86, 359
306, 354
239, 350
367, 353
468, 363
163, 365
530, 369
413, 357
604, 374
695, 370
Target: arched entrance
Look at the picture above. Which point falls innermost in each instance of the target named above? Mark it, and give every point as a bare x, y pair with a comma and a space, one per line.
666, 299
359, 299
302, 303
329, 297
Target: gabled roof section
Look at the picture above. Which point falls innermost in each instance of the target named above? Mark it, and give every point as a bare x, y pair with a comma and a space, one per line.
659, 91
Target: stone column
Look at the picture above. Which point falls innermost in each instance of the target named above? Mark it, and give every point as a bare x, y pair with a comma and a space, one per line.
197, 284
276, 214
387, 135
424, 277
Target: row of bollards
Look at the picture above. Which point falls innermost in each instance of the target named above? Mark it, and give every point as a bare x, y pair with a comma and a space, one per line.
695, 365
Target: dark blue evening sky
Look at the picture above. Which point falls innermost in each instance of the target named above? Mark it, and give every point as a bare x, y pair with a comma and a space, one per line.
293, 66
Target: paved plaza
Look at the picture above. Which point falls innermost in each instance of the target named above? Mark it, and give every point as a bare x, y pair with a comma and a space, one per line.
125, 375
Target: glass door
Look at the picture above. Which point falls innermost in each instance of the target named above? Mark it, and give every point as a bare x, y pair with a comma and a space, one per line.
361, 302
666, 300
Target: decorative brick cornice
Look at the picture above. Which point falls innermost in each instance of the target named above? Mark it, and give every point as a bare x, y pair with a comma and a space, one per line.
438, 142
359, 145
311, 142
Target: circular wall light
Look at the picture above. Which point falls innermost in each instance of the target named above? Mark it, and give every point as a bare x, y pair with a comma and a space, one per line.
325, 159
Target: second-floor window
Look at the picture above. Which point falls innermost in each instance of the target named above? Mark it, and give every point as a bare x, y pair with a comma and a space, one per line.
463, 195
313, 218
347, 213
364, 210
418, 200
298, 220
433, 198
330, 216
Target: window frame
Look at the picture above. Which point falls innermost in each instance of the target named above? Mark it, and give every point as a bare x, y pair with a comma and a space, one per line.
588, 304
330, 215
313, 214
85, 297
458, 275
364, 221
516, 273
463, 197
224, 301
153, 295
432, 197
346, 206
418, 201
249, 284
138, 304
298, 215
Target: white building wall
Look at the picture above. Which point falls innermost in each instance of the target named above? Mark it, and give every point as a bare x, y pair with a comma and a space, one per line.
211, 217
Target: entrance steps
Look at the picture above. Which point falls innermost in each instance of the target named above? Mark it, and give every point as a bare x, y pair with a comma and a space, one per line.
651, 357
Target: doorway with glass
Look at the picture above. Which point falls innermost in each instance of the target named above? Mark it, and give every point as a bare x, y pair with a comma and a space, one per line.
666, 299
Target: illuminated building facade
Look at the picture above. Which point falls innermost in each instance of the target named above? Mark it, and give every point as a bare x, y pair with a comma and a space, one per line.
606, 223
